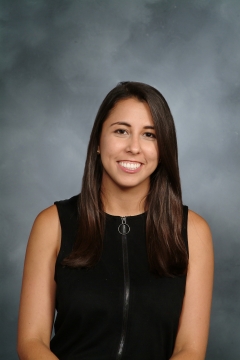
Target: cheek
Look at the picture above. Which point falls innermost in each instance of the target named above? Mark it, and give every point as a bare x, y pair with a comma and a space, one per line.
153, 154
110, 146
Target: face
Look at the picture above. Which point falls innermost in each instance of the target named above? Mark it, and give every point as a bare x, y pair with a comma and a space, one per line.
128, 146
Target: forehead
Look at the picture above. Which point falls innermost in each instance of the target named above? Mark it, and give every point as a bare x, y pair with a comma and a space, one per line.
130, 109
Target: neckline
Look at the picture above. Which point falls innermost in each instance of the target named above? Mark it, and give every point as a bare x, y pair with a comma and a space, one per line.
128, 216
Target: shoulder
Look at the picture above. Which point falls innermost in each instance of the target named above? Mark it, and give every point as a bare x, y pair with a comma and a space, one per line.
47, 215
47, 228
199, 238
46, 231
196, 220
198, 227
47, 219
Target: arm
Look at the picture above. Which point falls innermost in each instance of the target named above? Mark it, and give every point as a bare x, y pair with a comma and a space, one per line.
192, 336
38, 288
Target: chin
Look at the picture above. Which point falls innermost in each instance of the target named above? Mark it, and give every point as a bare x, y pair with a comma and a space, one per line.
129, 185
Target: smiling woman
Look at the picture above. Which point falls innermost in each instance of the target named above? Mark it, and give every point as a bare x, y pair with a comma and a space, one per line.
128, 268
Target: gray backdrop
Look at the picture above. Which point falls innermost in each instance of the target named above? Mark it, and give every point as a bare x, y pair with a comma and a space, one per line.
58, 61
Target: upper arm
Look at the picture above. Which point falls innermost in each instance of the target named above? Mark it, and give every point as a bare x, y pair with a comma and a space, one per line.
195, 316
38, 287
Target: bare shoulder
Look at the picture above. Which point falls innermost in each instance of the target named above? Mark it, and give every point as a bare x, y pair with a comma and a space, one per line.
48, 216
201, 257
46, 229
197, 222
199, 233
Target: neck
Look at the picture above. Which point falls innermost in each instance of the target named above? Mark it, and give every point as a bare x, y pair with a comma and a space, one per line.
124, 201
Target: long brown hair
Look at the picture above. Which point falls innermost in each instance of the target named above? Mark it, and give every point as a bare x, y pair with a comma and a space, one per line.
167, 252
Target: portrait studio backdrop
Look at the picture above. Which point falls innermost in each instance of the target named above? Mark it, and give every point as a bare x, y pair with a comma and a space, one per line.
58, 61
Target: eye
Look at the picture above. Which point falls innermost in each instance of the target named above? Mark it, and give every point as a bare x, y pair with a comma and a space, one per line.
150, 135
121, 131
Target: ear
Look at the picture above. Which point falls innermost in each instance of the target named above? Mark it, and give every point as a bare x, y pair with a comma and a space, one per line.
98, 150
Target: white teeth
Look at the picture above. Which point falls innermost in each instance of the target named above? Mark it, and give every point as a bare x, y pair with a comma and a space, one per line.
130, 166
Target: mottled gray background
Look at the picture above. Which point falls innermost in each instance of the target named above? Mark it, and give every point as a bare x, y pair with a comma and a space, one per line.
59, 59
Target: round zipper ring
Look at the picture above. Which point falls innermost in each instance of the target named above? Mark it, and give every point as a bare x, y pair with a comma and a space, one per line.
122, 230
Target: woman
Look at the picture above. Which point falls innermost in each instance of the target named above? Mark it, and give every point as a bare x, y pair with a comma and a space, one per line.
127, 266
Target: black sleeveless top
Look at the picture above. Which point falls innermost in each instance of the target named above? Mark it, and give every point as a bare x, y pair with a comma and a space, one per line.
118, 309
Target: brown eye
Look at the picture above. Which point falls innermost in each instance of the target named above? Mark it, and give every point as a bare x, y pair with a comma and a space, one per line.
150, 135
121, 131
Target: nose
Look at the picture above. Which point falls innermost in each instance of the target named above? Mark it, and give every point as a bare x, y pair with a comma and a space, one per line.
134, 145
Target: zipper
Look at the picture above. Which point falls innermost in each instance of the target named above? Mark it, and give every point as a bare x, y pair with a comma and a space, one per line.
124, 229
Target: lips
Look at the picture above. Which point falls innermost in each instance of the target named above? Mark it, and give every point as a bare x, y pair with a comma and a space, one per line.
130, 165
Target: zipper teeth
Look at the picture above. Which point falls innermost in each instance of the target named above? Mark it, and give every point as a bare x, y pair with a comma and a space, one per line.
126, 296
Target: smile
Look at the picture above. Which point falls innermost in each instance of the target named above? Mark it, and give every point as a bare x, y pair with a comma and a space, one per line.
129, 165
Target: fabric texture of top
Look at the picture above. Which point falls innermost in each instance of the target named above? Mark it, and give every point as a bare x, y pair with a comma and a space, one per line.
90, 302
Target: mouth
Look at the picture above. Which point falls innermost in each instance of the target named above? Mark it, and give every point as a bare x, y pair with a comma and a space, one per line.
128, 165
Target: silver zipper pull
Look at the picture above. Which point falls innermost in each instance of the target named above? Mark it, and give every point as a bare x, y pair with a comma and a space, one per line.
123, 228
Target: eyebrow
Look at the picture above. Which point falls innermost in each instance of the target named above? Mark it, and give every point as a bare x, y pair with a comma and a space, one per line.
128, 125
